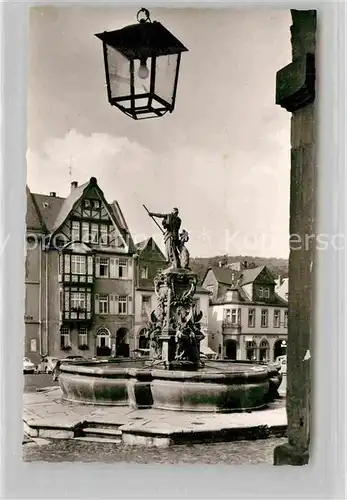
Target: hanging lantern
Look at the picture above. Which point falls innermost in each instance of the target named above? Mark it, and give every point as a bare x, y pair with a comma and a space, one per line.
142, 63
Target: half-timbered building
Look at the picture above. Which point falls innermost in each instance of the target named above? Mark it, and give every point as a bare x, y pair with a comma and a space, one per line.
79, 275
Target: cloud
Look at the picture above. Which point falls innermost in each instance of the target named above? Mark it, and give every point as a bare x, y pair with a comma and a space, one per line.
215, 191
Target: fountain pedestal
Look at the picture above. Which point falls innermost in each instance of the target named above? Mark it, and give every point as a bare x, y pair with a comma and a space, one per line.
176, 324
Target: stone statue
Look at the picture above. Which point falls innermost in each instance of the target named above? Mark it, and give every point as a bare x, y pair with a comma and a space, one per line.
153, 334
184, 254
171, 224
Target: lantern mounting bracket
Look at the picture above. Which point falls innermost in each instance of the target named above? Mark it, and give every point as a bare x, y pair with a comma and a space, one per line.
145, 13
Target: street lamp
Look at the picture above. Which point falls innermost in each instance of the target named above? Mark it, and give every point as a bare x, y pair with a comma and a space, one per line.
142, 63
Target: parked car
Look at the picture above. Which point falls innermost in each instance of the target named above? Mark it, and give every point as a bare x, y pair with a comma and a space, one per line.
28, 366
140, 353
56, 369
283, 362
48, 364
73, 358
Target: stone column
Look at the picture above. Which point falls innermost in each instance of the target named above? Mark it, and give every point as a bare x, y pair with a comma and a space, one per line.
296, 93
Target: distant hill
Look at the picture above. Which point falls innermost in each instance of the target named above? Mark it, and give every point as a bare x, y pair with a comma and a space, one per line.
200, 264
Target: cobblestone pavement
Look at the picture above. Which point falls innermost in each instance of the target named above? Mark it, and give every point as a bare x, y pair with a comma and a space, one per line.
234, 453
35, 381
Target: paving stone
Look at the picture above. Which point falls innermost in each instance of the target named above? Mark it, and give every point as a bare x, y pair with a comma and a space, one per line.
56, 419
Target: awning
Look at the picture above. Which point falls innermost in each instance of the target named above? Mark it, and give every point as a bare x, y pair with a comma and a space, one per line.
206, 350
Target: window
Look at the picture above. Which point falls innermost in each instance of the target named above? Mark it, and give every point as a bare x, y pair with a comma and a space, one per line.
277, 318
96, 209
264, 351
78, 300
103, 304
144, 272
251, 318
264, 318
75, 230
123, 268
65, 337
78, 264
86, 203
285, 319
104, 234
104, 267
233, 316
251, 351
122, 304
85, 232
146, 305
264, 292
94, 233
227, 316
143, 339
103, 340
82, 336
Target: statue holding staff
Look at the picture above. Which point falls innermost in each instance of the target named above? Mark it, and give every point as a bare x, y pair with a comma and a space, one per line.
171, 224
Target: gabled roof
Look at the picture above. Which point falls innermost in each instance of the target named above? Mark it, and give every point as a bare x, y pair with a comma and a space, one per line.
143, 245
54, 210
68, 205
34, 221
250, 275
222, 274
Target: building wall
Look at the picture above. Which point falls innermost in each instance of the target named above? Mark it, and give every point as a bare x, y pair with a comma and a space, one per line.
33, 293
218, 336
112, 322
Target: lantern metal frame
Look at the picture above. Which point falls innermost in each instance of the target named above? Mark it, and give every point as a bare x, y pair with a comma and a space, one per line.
145, 41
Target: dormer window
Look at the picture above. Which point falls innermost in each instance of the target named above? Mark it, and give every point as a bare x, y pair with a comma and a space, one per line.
87, 203
96, 204
264, 292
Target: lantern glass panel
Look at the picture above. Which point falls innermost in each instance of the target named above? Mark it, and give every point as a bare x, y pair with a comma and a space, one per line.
118, 72
166, 68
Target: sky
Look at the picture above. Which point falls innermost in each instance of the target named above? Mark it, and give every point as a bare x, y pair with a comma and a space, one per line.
222, 157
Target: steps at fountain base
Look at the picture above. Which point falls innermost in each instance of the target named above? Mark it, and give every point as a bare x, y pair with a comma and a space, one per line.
106, 434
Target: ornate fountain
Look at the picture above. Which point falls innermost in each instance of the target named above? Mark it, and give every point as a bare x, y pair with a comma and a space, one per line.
175, 378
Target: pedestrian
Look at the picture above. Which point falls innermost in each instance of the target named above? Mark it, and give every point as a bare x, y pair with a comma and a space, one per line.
56, 370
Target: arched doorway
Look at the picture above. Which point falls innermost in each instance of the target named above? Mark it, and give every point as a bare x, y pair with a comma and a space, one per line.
264, 351
231, 349
251, 351
280, 348
122, 343
103, 342
143, 339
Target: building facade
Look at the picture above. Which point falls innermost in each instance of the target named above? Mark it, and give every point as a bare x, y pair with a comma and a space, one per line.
247, 319
79, 275
149, 261
89, 289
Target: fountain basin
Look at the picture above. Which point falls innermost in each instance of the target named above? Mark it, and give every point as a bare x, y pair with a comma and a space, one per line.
219, 387
210, 390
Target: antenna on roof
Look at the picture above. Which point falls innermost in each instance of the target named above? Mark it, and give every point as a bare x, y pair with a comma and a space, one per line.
70, 156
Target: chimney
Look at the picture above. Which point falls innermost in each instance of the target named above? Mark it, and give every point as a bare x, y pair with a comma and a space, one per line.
245, 264
52, 194
220, 264
74, 185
